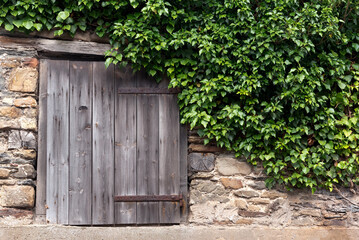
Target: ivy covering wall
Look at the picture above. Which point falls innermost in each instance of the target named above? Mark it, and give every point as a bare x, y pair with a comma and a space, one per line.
274, 80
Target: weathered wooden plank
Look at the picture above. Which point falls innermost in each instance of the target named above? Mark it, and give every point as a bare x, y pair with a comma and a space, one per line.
147, 156
41, 160
125, 149
80, 143
55, 46
184, 171
103, 144
57, 141
169, 166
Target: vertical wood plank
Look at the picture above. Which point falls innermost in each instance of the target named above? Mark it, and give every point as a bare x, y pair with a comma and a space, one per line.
103, 144
184, 171
41, 159
147, 157
80, 143
57, 142
125, 149
169, 166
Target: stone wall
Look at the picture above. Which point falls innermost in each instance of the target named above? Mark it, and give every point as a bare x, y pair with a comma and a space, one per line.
225, 190
18, 133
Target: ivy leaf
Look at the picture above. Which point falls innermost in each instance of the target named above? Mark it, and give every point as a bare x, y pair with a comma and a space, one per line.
169, 28
356, 46
28, 24
9, 26
61, 16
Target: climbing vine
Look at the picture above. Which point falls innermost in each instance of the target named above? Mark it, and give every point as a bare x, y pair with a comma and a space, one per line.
274, 80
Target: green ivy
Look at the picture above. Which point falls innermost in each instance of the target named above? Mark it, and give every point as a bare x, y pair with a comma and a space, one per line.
274, 80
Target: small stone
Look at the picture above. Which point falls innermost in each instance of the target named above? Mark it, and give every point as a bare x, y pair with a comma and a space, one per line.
26, 153
232, 183
32, 62
4, 173
3, 145
246, 193
244, 221
17, 196
23, 79
26, 171
240, 203
201, 162
258, 185
25, 102
21, 139
10, 112
259, 201
30, 112
245, 213
273, 195
7, 182
331, 215
8, 101
202, 175
254, 208
6, 124
28, 123
231, 166
310, 212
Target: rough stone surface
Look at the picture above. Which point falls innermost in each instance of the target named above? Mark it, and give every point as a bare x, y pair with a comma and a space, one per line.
21, 139
28, 123
4, 173
246, 193
23, 79
232, 183
26, 171
232, 166
25, 102
17, 196
8, 124
10, 112
25, 153
200, 162
273, 194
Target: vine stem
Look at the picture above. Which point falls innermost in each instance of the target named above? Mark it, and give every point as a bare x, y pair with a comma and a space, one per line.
341, 194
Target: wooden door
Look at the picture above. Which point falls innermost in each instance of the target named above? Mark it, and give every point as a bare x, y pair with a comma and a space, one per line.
114, 148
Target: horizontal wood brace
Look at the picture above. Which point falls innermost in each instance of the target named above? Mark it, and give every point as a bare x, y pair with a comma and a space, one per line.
149, 198
141, 90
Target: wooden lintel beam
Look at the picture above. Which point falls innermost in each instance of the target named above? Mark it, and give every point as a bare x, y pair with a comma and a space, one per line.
55, 46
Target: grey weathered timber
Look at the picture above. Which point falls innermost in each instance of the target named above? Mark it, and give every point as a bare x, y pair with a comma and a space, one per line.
125, 149
103, 144
55, 46
57, 141
147, 156
169, 167
41, 162
183, 171
80, 143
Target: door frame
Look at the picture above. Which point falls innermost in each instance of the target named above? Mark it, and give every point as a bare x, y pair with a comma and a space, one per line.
40, 205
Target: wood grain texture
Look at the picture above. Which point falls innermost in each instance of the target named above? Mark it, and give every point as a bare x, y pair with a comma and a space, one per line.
42, 139
125, 149
169, 166
147, 157
184, 171
57, 142
103, 144
80, 143
55, 46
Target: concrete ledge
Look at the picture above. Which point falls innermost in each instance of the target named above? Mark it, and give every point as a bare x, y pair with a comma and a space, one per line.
175, 233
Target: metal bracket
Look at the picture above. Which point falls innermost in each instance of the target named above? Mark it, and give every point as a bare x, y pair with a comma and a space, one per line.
150, 198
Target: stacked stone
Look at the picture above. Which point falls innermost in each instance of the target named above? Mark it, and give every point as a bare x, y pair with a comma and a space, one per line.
18, 131
227, 190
